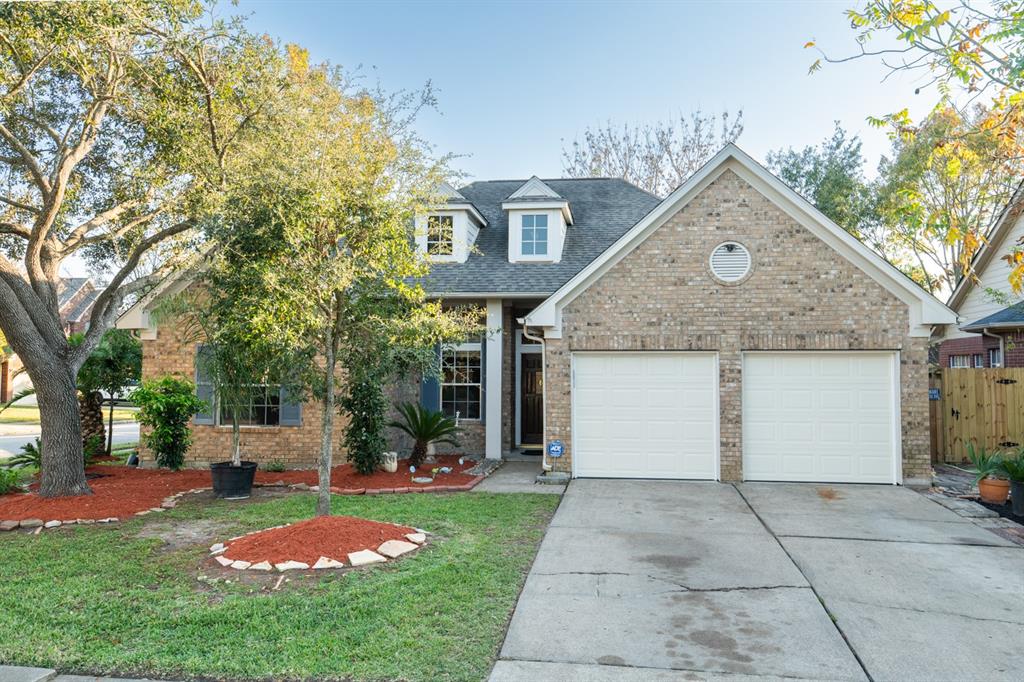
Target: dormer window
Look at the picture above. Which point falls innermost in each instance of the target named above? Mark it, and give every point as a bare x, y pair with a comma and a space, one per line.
537, 220
440, 235
535, 235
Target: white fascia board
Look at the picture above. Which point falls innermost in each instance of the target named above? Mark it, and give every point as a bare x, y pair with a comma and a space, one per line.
560, 204
468, 208
925, 309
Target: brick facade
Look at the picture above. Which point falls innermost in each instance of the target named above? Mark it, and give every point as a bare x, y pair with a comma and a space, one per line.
800, 295
1013, 349
298, 447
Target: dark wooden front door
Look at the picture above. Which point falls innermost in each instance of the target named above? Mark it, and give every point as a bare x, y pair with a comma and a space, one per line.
531, 423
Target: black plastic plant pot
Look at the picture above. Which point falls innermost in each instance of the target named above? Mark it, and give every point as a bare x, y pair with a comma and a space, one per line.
1017, 497
231, 482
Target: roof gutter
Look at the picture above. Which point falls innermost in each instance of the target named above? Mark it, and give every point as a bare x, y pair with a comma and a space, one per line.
1002, 344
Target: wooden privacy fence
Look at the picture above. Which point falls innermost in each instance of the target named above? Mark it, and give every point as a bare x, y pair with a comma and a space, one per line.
983, 406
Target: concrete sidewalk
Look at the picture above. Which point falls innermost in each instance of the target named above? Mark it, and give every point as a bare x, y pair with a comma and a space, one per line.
9, 673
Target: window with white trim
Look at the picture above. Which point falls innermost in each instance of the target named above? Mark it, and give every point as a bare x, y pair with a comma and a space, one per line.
263, 407
979, 360
995, 357
461, 379
959, 361
535, 235
440, 235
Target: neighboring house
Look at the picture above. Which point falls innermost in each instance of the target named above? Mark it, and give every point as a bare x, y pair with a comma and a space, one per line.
728, 332
990, 330
75, 300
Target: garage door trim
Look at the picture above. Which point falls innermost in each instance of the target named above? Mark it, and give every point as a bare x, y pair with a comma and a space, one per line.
896, 406
716, 388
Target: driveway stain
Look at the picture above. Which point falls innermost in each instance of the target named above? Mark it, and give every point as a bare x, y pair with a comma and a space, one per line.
611, 660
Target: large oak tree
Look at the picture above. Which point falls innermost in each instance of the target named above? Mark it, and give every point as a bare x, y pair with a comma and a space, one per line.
121, 126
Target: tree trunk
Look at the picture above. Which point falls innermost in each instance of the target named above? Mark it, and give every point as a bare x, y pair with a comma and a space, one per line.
236, 441
110, 429
90, 406
323, 500
63, 469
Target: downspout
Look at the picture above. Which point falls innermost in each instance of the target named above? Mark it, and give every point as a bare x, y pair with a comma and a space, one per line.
544, 394
1002, 350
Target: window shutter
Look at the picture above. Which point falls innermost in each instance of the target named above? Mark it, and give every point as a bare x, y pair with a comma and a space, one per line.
204, 391
430, 388
483, 378
291, 410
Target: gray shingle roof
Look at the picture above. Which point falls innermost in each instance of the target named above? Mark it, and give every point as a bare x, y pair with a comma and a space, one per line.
69, 287
1007, 317
603, 210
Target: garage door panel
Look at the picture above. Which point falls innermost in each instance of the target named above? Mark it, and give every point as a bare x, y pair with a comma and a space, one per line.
834, 415
658, 412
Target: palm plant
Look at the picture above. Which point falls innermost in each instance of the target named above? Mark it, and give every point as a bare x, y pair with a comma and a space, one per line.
31, 455
426, 427
986, 464
1013, 467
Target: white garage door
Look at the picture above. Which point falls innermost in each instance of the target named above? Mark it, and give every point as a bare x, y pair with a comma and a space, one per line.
645, 415
823, 417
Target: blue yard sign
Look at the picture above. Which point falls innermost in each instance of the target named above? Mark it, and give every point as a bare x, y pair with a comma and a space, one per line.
933, 394
555, 448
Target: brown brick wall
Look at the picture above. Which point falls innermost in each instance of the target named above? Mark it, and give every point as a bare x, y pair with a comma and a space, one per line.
800, 295
298, 447
1013, 348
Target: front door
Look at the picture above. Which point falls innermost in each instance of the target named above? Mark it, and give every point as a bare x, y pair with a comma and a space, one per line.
531, 424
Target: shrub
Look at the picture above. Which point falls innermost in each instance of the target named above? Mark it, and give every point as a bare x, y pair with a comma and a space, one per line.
31, 455
276, 466
8, 481
426, 427
93, 448
166, 405
364, 436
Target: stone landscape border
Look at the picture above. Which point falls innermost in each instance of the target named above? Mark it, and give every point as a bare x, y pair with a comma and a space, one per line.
388, 550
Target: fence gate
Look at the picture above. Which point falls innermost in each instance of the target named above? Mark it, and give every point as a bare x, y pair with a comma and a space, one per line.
983, 406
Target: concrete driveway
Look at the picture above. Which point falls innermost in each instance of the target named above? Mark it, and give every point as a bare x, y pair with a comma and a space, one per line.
650, 580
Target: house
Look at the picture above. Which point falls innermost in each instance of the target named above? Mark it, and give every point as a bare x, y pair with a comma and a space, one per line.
728, 332
990, 330
75, 300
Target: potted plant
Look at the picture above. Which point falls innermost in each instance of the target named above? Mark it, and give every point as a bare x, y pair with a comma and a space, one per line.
1013, 468
988, 471
426, 428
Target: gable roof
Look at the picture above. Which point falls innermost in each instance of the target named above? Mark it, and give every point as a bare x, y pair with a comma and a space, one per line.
534, 188
925, 309
603, 210
990, 247
1011, 317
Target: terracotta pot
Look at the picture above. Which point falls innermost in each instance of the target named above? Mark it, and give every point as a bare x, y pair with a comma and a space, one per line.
994, 490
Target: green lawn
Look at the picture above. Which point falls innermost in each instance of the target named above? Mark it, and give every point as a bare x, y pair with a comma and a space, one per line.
29, 414
142, 598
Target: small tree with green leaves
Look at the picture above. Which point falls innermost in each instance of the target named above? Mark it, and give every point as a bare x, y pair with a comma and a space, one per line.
166, 406
111, 368
425, 427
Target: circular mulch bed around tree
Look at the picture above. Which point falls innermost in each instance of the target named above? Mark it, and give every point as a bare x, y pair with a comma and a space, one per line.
320, 542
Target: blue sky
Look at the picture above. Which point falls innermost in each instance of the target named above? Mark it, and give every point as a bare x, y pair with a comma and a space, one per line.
516, 79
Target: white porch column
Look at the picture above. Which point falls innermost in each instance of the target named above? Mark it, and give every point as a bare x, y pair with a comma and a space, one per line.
492, 380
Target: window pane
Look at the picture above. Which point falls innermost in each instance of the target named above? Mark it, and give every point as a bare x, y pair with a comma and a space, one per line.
528, 234
528, 221
541, 221
527, 248
541, 248
541, 234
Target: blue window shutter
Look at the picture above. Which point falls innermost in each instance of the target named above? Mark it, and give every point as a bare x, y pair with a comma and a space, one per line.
204, 391
430, 388
291, 410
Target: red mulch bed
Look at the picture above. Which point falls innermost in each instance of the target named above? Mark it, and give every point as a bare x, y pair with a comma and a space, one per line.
331, 536
122, 491
117, 492
346, 478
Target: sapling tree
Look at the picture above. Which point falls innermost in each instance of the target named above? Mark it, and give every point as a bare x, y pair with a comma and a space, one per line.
324, 221
115, 364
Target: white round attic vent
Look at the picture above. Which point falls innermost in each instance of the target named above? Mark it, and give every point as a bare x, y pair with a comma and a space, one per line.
730, 262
